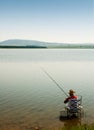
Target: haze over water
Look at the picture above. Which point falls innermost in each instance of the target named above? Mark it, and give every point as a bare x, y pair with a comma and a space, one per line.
28, 97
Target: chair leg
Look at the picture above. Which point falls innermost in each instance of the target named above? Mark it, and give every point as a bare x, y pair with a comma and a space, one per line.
67, 113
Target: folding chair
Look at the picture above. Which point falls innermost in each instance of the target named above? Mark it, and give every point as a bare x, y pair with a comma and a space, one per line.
74, 108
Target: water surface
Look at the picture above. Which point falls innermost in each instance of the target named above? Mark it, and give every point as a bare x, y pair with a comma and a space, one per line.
28, 97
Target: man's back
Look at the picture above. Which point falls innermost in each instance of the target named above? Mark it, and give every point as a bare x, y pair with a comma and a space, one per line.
73, 104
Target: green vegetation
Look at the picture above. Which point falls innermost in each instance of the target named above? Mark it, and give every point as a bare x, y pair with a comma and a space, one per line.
74, 46
11, 47
82, 127
49, 47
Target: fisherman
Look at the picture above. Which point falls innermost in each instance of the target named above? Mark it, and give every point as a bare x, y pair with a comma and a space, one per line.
72, 103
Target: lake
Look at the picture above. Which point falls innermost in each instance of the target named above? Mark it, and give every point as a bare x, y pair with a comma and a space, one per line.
29, 98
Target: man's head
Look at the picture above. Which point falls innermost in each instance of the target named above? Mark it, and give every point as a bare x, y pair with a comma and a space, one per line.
71, 92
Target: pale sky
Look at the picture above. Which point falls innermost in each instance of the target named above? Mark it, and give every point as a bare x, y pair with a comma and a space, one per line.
47, 20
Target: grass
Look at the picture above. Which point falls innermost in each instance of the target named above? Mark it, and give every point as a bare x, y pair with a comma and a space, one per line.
82, 127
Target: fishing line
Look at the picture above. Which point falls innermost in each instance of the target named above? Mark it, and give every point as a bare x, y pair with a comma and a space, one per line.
53, 80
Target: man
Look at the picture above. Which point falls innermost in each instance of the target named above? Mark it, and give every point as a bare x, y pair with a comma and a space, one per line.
72, 104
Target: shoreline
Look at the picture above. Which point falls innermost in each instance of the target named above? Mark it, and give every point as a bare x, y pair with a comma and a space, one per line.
37, 127
44, 47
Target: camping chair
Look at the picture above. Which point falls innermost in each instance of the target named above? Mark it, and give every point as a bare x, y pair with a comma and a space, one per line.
74, 107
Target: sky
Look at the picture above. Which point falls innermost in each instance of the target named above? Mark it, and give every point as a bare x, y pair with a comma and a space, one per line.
65, 21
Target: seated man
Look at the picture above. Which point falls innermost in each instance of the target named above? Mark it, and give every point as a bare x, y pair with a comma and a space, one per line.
72, 102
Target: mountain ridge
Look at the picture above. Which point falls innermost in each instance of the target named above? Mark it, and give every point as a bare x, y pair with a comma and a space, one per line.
34, 43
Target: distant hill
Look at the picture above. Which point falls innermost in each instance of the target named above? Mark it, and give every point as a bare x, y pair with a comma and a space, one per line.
17, 43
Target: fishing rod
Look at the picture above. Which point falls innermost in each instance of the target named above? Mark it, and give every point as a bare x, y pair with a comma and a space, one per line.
54, 81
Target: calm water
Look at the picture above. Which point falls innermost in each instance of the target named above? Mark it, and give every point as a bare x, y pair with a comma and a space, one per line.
28, 97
